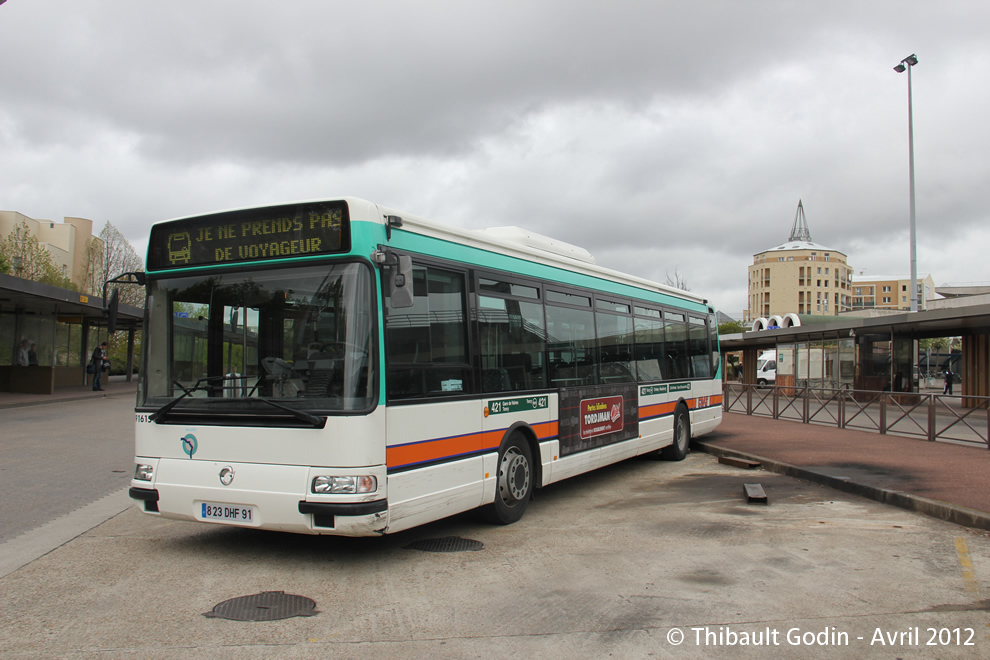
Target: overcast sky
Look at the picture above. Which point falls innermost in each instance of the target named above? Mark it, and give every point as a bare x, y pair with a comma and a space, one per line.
662, 136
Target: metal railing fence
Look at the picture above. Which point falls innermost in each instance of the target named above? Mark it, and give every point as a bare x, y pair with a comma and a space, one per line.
961, 419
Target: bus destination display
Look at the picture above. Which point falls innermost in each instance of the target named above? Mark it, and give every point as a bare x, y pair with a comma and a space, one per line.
257, 234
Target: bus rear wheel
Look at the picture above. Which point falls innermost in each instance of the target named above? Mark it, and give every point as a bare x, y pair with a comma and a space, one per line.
682, 437
514, 481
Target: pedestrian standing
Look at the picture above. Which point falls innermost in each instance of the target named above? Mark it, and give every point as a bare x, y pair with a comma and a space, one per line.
99, 357
21, 355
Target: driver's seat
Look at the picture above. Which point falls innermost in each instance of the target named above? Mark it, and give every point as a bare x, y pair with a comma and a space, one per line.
318, 383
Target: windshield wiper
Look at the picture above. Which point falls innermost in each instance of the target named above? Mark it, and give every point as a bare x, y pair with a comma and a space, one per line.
317, 422
161, 412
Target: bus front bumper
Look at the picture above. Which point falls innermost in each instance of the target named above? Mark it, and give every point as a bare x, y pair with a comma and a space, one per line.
342, 519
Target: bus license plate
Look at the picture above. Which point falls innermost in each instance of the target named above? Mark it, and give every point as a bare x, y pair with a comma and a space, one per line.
227, 512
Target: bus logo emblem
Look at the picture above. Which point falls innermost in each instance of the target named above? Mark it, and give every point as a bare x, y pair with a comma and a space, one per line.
189, 444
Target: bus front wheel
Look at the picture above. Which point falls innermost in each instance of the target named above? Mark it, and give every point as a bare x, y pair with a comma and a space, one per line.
682, 437
514, 481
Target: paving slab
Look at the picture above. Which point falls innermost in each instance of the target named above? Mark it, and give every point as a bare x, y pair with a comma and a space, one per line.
946, 480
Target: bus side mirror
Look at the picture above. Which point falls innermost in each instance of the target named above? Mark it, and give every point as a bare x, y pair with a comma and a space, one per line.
112, 311
110, 305
402, 284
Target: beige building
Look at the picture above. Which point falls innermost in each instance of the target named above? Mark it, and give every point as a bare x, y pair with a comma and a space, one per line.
799, 277
68, 241
890, 292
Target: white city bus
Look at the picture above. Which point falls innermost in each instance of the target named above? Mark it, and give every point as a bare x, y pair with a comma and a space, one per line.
335, 367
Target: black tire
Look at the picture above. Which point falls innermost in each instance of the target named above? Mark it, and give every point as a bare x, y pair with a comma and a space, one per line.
762, 382
682, 437
515, 481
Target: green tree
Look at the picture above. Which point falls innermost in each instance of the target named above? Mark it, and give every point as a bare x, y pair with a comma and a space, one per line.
27, 258
731, 327
935, 344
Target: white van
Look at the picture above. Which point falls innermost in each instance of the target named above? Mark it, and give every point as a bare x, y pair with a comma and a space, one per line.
766, 368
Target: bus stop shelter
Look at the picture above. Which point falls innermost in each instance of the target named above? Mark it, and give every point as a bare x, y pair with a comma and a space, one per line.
57, 329
873, 353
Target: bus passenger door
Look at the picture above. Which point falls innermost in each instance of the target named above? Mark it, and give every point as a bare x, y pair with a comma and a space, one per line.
434, 432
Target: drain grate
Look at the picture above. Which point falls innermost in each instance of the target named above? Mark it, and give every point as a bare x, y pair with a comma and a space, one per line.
266, 606
446, 544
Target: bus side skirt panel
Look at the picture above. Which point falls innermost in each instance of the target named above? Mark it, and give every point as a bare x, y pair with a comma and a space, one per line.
425, 494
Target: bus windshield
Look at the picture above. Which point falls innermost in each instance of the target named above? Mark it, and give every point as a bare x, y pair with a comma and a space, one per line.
301, 338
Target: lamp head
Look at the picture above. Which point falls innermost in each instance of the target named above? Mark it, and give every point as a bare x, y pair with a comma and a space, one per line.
910, 60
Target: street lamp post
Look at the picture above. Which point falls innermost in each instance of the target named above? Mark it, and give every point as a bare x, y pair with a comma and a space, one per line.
907, 64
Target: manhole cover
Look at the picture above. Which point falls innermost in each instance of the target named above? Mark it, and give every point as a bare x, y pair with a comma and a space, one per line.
446, 544
266, 606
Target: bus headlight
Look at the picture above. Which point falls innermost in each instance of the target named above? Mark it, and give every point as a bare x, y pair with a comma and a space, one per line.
342, 485
143, 472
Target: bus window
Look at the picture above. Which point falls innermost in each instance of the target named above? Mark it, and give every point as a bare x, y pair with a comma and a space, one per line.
513, 341
615, 346
650, 357
698, 348
239, 337
427, 342
571, 346
676, 346
189, 341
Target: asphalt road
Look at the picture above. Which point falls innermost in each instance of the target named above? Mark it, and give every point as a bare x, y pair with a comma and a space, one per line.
641, 559
59, 457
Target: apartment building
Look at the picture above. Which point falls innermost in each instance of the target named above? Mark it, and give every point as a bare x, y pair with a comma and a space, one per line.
799, 276
890, 292
68, 241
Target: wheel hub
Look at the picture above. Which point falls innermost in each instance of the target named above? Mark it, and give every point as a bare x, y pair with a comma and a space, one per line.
514, 480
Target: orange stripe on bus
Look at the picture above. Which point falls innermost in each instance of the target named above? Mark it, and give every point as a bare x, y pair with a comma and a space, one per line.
471, 443
433, 450
660, 409
545, 430
656, 410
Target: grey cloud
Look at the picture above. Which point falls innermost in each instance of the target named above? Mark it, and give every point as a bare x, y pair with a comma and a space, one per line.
683, 128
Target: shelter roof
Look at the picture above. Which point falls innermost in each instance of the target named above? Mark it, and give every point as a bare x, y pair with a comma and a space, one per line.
26, 296
952, 322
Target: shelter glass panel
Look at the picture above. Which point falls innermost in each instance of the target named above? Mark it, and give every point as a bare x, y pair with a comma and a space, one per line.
7, 341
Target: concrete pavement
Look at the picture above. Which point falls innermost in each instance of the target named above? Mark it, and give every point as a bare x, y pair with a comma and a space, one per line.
944, 480
114, 386
613, 562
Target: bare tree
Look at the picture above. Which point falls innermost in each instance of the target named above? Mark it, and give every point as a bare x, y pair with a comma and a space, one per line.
676, 280
110, 256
